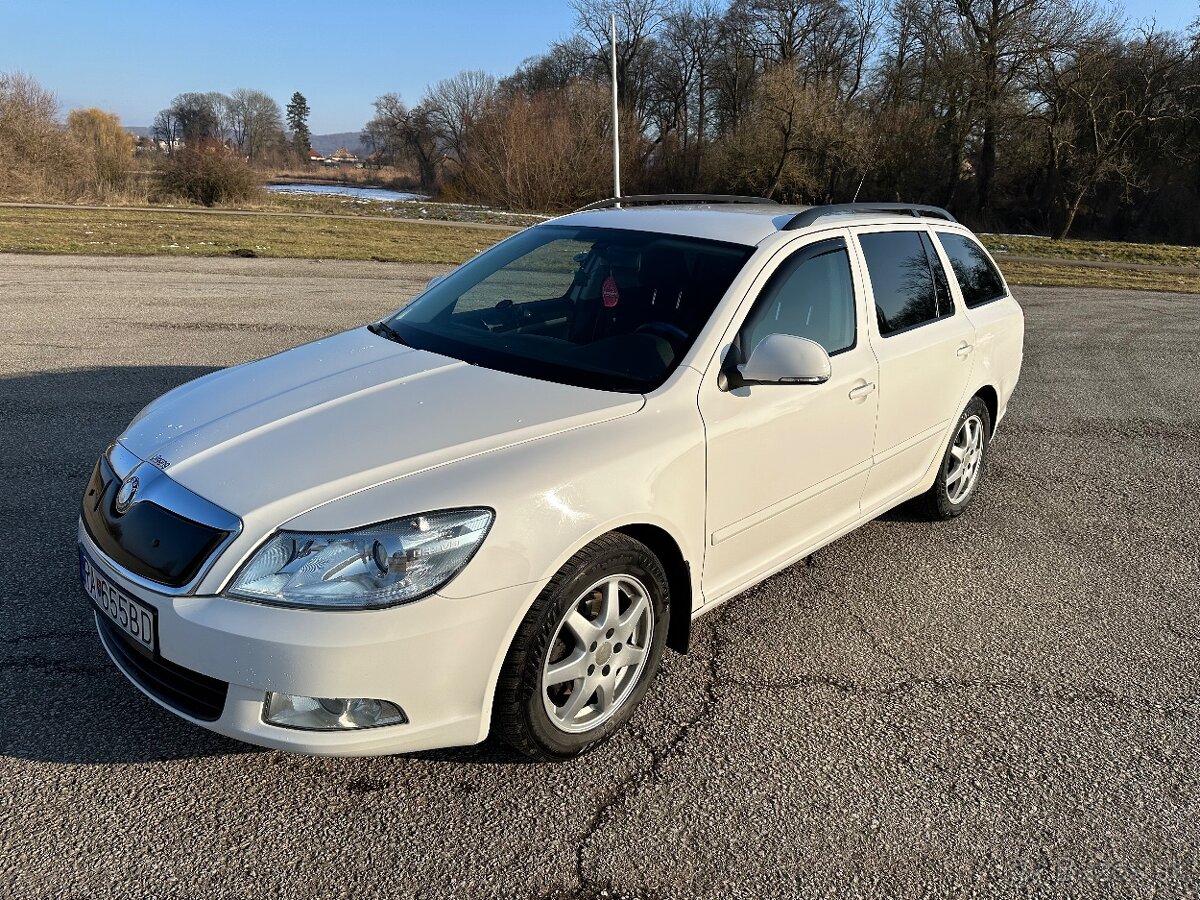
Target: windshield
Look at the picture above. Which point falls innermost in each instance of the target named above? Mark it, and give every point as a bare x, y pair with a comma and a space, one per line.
594, 307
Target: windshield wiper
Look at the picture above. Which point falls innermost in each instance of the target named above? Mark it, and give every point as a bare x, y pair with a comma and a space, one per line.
383, 329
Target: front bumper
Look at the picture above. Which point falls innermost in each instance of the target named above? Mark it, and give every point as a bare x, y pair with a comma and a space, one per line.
437, 658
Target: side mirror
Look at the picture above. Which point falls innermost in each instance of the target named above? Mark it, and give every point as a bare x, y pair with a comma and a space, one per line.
786, 359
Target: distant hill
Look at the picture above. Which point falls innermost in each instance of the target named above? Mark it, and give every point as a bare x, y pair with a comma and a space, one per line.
328, 143
324, 144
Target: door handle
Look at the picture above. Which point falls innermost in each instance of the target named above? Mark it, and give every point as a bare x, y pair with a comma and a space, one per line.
862, 390
964, 349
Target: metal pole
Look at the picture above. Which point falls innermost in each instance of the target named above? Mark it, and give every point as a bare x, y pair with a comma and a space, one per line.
616, 125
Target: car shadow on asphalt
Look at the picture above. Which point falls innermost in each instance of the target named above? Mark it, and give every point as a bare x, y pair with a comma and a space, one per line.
490, 753
63, 699
907, 512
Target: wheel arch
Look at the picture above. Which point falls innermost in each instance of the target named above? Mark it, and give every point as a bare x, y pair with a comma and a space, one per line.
679, 578
991, 400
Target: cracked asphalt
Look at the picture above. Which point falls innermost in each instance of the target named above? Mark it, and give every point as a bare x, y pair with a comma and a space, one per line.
1004, 705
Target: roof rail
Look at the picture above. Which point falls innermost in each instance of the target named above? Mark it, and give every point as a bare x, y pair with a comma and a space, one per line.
813, 213
666, 199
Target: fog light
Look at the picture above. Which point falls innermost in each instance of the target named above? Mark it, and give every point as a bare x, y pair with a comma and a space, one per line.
330, 713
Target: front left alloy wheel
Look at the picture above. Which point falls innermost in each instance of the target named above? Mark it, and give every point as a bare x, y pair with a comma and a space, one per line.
586, 652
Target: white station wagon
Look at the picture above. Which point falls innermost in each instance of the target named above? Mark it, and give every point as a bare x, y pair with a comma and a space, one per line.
493, 510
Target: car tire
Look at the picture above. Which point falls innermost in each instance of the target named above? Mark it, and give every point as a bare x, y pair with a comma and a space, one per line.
598, 626
963, 459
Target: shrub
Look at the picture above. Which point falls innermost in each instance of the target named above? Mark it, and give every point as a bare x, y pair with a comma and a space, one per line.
208, 175
550, 150
106, 147
36, 161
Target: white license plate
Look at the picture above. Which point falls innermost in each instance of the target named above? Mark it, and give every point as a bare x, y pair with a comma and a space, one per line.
135, 619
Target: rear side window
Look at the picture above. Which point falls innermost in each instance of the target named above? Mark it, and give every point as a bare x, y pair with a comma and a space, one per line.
977, 278
810, 296
902, 278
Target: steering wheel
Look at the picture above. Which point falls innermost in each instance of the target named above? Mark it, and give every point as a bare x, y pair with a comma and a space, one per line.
673, 334
508, 318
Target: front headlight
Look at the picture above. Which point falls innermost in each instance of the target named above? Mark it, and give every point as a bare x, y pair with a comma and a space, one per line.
382, 565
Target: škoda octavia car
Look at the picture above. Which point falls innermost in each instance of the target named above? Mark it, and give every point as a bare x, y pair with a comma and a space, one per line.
495, 509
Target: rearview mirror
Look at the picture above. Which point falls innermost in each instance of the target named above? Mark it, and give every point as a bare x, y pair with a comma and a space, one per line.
786, 359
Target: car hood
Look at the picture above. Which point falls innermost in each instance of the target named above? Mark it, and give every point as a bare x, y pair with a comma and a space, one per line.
277, 437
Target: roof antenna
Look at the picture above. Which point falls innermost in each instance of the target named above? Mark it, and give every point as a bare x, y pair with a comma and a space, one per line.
867, 170
860, 184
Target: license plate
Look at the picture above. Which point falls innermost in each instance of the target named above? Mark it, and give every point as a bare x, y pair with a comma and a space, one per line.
132, 617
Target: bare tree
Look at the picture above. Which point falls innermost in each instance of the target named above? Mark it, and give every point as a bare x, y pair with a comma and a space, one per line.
682, 76
383, 135
638, 21
1097, 100
793, 31
696, 29
978, 104
91, 157
565, 63
192, 118
735, 69
397, 131
546, 150
254, 122
454, 107
31, 140
797, 142
1003, 39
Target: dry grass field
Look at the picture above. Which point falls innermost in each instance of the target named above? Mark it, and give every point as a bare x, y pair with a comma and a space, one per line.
334, 228
117, 232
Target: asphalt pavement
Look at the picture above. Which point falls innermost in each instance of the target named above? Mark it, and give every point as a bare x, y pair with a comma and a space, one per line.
1003, 705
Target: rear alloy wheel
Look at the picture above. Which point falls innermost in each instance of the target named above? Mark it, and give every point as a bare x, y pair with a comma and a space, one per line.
965, 460
586, 652
961, 470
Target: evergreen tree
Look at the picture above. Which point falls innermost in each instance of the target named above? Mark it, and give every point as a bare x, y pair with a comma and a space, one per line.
297, 118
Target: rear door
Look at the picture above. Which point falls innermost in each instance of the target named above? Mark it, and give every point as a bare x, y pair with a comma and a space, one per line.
924, 343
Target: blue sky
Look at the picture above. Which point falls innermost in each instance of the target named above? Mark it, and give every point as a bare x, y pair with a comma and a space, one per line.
133, 57
1173, 14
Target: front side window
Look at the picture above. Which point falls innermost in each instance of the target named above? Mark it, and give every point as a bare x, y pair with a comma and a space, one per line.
902, 280
595, 307
977, 278
811, 295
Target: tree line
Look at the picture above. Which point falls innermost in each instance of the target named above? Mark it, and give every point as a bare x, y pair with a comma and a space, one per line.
213, 143
1051, 116
247, 121
206, 148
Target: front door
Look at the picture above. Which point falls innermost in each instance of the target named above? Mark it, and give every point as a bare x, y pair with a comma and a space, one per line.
787, 463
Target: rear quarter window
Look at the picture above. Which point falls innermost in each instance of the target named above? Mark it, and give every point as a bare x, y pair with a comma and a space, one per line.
978, 279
